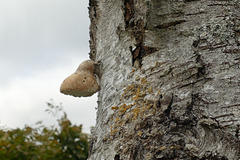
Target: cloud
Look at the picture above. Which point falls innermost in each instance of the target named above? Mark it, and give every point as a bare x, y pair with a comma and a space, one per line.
41, 43
24, 100
39, 34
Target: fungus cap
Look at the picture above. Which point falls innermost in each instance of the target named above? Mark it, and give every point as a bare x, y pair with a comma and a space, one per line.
81, 83
88, 65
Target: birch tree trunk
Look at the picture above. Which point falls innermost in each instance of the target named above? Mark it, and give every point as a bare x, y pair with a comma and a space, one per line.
169, 78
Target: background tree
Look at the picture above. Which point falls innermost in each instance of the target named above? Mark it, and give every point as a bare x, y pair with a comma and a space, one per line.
169, 79
65, 142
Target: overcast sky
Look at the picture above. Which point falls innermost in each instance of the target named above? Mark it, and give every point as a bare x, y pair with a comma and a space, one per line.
41, 43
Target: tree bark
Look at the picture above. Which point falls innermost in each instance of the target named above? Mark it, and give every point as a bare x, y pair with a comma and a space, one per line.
169, 77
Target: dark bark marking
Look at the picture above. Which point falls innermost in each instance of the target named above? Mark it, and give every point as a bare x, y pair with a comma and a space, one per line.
146, 124
190, 0
230, 106
137, 28
169, 108
117, 157
224, 115
201, 69
134, 153
158, 103
92, 3
170, 24
237, 38
196, 42
237, 134
129, 10
234, 51
141, 51
93, 27
214, 157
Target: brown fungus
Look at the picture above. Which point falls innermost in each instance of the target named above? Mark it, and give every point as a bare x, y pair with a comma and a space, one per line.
82, 83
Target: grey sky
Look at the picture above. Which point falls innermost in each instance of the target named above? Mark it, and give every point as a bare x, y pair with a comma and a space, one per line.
41, 43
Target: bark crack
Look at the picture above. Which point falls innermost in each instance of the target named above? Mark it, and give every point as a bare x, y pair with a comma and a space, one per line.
169, 108
170, 24
135, 25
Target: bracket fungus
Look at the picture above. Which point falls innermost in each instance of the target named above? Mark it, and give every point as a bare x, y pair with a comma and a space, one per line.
82, 83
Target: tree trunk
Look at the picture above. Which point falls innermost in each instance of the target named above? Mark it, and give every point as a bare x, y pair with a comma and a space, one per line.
169, 78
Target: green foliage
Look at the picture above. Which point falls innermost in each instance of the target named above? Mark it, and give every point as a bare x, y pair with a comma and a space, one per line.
65, 142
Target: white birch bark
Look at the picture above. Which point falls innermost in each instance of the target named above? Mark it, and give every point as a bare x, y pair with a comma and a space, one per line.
169, 78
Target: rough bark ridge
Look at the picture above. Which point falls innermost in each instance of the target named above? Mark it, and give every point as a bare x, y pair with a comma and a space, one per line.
170, 79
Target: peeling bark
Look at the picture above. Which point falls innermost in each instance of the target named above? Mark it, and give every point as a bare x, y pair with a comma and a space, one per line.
170, 79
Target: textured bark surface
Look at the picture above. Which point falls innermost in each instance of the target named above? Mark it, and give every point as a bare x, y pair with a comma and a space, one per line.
169, 78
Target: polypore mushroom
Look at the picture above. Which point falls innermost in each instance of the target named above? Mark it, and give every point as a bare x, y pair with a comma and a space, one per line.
82, 83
